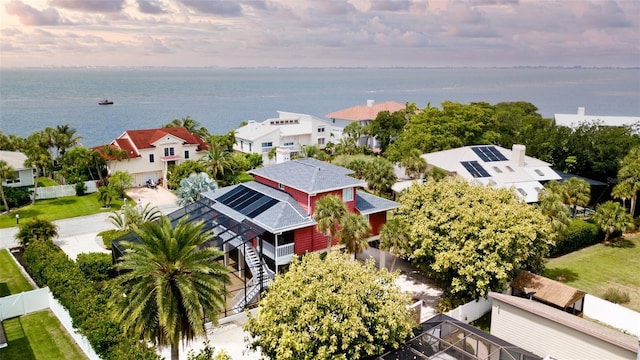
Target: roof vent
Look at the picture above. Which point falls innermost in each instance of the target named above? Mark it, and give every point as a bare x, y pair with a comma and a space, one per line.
370, 103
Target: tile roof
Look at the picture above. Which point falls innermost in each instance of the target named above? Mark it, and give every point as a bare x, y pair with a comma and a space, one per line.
366, 112
144, 139
309, 175
585, 326
369, 204
285, 215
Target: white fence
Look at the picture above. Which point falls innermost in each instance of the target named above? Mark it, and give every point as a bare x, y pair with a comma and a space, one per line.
41, 299
471, 311
612, 314
51, 192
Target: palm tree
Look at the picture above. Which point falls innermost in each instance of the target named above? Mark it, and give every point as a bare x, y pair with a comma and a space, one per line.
133, 216
611, 217
64, 138
38, 158
354, 233
171, 283
191, 188
217, 160
577, 192
380, 176
394, 238
629, 172
191, 125
112, 153
414, 164
6, 172
329, 212
624, 191
36, 230
551, 204
106, 194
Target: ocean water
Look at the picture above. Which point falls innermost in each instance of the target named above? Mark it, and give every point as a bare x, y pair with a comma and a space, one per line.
32, 99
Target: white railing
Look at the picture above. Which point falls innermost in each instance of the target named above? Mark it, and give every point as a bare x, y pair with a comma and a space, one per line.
24, 303
65, 319
285, 251
51, 192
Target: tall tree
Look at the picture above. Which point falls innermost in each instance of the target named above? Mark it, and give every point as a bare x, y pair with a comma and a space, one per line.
64, 138
112, 153
623, 191
217, 160
330, 309
328, 212
171, 283
551, 204
39, 158
394, 238
414, 164
353, 233
380, 176
577, 193
472, 238
6, 173
133, 216
191, 125
612, 217
629, 173
386, 127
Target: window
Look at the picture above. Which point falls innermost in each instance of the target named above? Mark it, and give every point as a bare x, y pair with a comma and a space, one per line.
321, 129
267, 144
320, 141
347, 194
152, 158
15, 180
539, 172
289, 143
169, 151
497, 169
186, 154
281, 186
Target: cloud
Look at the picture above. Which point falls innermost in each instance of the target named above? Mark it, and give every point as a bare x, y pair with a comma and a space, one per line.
99, 6
606, 14
152, 46
216, 7
397, 5
33, 17
150, 7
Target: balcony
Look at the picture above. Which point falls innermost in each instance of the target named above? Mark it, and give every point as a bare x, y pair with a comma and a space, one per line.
282, 255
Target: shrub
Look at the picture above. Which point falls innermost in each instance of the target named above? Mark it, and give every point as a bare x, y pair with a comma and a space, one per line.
616, 296
36, 230
16, 196
87, 305
81, 189
579, 234
95, 266
109, 235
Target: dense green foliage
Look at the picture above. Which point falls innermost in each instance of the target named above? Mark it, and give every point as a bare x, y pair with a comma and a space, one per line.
182, 171
470, 237
611, 217
577, 235
330, 309
328, 213
36, 230
109, 235
51, 267
16, 196
171, 284
95, 266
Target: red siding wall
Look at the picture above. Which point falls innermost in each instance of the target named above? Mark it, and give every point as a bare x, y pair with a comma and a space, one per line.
377, 220
303, 240
351, 205
299, 196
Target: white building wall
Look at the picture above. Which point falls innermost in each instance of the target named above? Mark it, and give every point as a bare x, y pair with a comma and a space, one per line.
547, 338
612, 314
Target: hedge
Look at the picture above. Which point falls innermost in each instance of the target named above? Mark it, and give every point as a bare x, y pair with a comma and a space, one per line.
579, 234
88, 306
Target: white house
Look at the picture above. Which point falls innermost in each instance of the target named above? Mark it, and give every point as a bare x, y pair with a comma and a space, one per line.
496, 166
555, 334
151, 152
580, 118
23, 175
289, 130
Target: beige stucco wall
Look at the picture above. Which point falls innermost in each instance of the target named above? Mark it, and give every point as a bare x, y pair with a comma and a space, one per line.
548, 338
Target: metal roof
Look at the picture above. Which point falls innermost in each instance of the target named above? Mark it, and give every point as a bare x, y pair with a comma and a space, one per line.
369, 204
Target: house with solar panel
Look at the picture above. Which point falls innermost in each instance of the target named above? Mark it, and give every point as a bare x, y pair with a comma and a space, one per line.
496, 166
262, 224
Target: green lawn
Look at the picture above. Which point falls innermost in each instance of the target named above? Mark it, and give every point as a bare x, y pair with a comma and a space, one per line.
598, 268
11, 279
45, 181
38, 336
60, 208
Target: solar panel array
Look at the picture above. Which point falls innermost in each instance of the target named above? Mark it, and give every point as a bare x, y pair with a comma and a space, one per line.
475, 169
247, 201
488, 153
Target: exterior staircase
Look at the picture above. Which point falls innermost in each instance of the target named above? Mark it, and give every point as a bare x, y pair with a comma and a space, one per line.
259, 270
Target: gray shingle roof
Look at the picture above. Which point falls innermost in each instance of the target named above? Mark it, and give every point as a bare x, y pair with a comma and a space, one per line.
309, 175
285, 215
369, 204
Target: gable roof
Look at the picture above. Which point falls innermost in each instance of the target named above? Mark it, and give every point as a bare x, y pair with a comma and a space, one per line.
282, 212
144, 139
550, 291
15, 159
309, 175
577, 323
497, 166
366, 112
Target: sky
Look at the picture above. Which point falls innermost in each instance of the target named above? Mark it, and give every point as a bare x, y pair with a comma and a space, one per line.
319, 33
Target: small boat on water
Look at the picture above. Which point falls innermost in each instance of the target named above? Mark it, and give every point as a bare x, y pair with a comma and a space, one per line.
105, 102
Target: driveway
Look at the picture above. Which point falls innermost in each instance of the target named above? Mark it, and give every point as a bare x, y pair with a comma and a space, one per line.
160, 197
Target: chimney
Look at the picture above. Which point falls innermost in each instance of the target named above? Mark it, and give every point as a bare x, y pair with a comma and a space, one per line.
282, 155
517, 156
370, 103
581, 111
